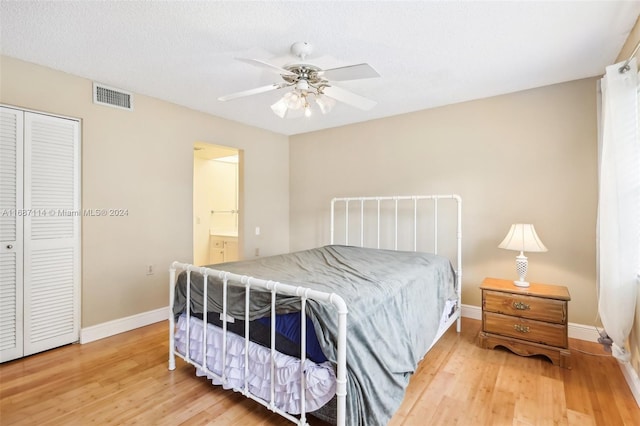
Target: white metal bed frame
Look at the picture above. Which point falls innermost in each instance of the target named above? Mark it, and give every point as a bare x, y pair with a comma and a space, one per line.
304, 294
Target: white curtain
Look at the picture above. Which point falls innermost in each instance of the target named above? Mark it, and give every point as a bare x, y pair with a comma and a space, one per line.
618, 227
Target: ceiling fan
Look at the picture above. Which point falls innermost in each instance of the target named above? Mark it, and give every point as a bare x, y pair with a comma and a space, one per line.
310, 83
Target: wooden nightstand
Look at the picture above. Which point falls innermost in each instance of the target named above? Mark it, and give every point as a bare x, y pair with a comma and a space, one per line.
527, 320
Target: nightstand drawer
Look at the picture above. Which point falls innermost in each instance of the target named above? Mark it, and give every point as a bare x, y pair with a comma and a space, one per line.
530, 330
531, 307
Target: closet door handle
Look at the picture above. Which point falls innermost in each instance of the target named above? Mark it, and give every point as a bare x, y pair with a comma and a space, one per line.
9, 246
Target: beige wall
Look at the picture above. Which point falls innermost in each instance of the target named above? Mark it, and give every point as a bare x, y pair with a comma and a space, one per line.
524, 157
634, 340
143, 161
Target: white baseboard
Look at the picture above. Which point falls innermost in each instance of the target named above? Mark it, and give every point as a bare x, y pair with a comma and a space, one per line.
583, 332
470, 311
111, 328
631, 376
576, 331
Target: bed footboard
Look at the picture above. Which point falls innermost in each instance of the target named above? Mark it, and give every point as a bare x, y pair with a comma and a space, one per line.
275, 288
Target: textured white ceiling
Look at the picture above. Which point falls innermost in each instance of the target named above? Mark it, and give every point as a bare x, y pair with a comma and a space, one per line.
429, 53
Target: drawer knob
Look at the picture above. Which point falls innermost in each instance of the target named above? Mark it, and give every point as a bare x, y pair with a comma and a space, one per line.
521, 306
521, 328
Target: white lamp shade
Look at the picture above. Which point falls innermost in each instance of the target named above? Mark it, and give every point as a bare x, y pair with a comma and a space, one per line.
292, 104
325, 103
522, 237
294, 100
280, 108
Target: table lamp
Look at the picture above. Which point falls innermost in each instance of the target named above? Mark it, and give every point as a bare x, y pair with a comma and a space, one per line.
522, 237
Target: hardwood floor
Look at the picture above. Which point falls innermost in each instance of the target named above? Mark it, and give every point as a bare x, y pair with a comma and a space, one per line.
124, 380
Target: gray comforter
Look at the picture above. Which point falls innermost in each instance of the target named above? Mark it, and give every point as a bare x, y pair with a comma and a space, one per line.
395, 300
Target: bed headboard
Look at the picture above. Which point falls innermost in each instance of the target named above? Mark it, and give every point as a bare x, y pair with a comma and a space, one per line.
415, 222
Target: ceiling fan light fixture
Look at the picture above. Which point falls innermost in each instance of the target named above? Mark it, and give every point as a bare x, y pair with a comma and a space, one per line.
294, 99
309, 83
325, 103
302, 85
291, 102
280, 108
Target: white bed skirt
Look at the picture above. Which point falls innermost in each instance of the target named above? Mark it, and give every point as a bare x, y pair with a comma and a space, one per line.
320, 378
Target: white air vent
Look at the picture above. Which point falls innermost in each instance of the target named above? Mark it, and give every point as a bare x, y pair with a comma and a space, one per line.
110, 96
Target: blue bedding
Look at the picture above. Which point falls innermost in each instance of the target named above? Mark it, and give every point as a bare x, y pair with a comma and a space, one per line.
290, 326
288, 333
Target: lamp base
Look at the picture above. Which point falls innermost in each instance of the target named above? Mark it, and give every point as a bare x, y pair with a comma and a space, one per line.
521, 283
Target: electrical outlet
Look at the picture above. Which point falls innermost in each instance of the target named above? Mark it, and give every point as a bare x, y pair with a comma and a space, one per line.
150, 270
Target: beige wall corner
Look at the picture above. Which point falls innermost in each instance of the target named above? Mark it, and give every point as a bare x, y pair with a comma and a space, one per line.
631, 43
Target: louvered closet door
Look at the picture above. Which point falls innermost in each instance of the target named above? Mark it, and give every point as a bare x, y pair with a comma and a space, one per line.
51, 233
11, 219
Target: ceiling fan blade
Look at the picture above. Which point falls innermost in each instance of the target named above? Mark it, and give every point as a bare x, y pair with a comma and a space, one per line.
274, 86
349, 98
268, 66
350, 72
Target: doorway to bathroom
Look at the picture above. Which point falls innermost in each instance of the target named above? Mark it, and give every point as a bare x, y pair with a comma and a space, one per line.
216, 204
